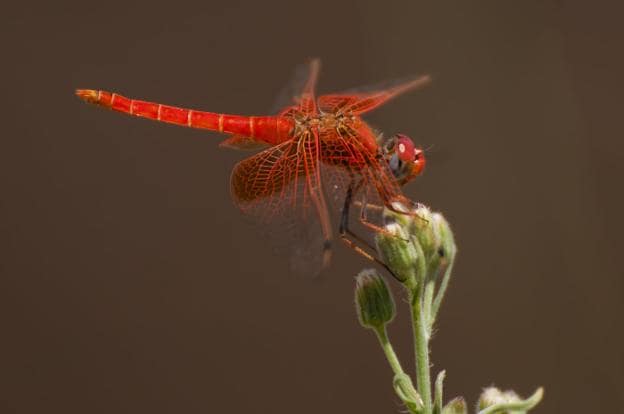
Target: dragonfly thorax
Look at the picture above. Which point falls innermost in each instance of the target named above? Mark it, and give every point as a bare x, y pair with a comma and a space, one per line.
323, 121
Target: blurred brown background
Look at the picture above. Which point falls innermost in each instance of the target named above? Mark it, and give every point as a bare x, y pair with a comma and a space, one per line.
130, 283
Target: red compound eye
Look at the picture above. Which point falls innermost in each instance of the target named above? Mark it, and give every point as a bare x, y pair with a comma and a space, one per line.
405, 148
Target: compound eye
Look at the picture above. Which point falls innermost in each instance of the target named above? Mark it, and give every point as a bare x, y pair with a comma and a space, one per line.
405, 148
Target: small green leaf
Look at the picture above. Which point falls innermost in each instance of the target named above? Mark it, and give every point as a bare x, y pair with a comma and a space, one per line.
404, 388
438, 401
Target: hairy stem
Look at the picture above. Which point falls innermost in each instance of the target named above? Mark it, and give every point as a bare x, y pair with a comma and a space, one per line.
402, 382
391, 356
421, 343
421, 332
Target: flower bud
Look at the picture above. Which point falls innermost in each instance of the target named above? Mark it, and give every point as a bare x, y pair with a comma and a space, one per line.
455, 406
493, 400
492, 395
435, 237
423, 227
396, 248
374, 303
442, 252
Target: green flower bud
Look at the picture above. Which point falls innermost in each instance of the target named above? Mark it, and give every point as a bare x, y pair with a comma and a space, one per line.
455, 406
435, 237
407, 235
423, 227
447, 247
374, 303
396, 247
443, 250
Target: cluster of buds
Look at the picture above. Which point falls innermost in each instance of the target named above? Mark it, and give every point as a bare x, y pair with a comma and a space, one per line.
416, 245
418, 248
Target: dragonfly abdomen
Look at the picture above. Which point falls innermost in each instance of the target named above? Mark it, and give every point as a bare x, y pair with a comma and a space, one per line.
269, 129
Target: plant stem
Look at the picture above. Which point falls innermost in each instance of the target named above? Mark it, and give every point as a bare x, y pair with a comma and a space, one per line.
402, 383
420, 330
391, 356
421, 344
443, 285
428, 304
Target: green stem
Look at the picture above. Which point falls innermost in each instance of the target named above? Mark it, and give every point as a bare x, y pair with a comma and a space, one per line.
421, 333
421, 342
443, 285
391, 356
402, 382
428, 305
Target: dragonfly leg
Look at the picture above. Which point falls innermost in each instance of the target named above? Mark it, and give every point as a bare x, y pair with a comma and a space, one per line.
412, 207
351, 239
365, 207
368, 206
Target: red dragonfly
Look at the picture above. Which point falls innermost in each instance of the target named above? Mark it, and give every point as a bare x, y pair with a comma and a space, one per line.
315, 145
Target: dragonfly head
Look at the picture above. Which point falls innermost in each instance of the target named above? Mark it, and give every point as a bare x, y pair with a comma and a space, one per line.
406, 161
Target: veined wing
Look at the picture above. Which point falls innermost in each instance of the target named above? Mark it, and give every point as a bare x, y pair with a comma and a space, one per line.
360, 103
243, 143
290, 94
304, 104
265, 181
281, 186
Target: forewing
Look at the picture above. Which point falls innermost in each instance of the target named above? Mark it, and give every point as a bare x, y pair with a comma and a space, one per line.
290, 94
307, 100
360, 103
299, 95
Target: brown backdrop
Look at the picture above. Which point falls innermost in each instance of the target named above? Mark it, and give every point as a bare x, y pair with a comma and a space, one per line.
129, 282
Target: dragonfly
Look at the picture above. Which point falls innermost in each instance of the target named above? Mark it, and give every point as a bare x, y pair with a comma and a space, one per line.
313, 146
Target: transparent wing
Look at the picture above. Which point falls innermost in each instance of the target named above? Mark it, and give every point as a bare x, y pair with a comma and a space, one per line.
243, 143
360, 103
301, 101
299, 96
265, 181
281, 188
289, 95
307, 100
